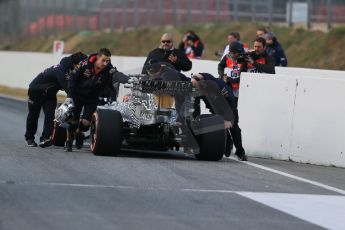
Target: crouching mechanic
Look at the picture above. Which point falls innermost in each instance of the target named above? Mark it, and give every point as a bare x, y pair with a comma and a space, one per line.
85, 84
228, 94
42, 95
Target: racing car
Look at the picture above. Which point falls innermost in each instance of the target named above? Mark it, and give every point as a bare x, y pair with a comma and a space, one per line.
158, 114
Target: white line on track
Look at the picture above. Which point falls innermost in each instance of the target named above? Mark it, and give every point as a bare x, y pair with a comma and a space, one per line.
65, 184
330, 188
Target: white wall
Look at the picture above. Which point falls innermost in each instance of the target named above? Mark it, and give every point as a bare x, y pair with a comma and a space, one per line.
19, 68
296, 114
265, 114
307, 72
318, 131
293, 117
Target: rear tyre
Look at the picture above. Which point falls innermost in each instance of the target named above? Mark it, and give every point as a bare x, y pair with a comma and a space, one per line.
106, 132
212, 144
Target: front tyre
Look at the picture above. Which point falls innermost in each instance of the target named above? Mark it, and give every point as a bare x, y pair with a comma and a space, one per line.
106, 132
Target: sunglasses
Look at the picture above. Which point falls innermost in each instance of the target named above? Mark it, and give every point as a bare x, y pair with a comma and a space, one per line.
166, 41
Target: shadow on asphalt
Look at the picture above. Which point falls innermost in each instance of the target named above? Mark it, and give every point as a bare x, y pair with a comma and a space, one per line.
138, 153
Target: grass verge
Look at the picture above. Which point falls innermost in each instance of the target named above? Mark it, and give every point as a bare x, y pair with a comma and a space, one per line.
22, 93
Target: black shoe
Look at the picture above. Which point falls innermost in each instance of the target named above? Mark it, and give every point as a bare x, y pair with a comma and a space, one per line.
79, 140
68, 146
31, 143
241, 155
46, 142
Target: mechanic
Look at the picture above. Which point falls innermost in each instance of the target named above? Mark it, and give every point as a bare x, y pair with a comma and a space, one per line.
42, 95
234, 129
207, 89
85, 84
167, 53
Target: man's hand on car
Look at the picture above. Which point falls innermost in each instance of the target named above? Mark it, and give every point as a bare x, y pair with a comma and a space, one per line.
133, 80
227, 124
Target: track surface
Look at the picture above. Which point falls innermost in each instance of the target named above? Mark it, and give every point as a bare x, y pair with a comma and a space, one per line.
51, 189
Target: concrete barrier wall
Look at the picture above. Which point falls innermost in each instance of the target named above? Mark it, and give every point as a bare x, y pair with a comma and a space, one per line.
307, 72
297, 114
292, 117
19, 68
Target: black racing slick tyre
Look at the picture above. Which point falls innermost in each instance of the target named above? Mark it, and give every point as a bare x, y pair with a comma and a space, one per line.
106, 132
59, 135
212, 144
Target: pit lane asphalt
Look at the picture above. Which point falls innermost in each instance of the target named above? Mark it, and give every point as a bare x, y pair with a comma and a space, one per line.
52, 189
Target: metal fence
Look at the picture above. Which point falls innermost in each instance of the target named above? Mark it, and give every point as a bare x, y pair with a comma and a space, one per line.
23, 18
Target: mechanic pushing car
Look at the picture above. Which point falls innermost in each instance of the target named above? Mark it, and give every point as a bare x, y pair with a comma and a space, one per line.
85, 84
42, 94
234, 129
